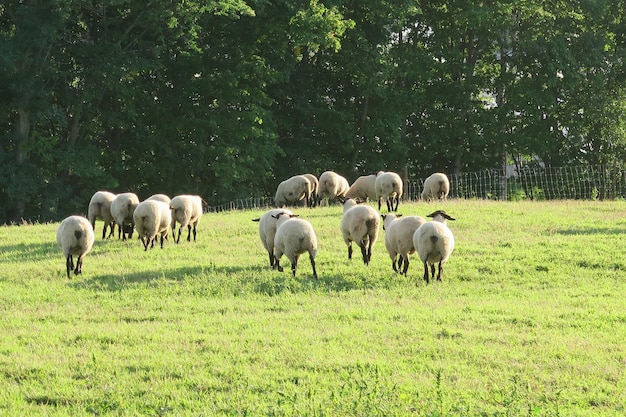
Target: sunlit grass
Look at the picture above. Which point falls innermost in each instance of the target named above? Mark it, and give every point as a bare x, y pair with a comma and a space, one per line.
530, 320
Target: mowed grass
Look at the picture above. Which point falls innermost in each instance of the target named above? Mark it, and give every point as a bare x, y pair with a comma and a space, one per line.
530, 320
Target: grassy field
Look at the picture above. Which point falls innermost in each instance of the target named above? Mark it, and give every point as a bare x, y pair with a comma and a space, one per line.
529, 321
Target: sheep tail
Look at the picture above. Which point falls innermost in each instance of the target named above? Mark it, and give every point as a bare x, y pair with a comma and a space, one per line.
78, 234
434, 239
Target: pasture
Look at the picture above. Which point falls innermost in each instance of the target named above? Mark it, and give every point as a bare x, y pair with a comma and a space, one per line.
530, 320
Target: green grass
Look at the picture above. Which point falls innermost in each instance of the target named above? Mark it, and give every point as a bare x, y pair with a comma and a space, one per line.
529, 321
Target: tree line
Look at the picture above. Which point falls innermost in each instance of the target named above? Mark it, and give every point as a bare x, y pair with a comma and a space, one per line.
226, 98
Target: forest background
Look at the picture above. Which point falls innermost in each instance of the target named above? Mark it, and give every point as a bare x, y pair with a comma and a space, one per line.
227, 98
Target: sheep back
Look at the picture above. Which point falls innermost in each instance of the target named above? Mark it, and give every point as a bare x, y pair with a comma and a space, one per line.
152, 218
436, 187
332, 185
363, 187
390, 187
100, 209
292, 190
75, 237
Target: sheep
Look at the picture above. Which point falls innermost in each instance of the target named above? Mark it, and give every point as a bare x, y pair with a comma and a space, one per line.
314, 184
437, 186
159, 197
399, 233
152, 218
434, 243
267, 230
186, 210
363, 188
359, 224
122, 209
332, 185
389, 186
75, 236
294, 237
293, 190
100, 209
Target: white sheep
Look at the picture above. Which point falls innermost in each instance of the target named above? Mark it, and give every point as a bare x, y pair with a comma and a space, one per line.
292, 190
267, 230
75, 237
436, 187
389, 187
360, 224
186, 210
152, 218
314, 185
434, 243
122, 209
363, 188
160, 197
399, 231
294, 237
100, 209
332, 185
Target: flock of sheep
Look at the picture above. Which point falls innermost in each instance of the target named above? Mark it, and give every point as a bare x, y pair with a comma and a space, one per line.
280, 230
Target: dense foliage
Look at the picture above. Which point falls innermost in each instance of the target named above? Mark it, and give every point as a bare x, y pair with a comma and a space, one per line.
225, 98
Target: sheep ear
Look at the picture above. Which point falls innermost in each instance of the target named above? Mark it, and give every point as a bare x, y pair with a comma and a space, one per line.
276, 216
257, 219
291, 216
398, 215
448, 217
384, 216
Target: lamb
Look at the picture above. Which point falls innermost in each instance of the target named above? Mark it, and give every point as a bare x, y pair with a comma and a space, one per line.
359, 224
186, 210
100, 209
437, 186
267, 230
314, 185
293, 190
389, 187
363, 188
332, 185
434, 243
122, 209
294, 237
152, 218
399, 233
75, 236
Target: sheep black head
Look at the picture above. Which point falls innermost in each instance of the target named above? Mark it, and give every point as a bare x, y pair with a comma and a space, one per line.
442, 214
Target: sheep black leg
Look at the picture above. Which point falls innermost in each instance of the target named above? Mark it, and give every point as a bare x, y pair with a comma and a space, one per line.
294, 266
406, 265
440, 272
313, 266
188, 233
79, 265
177, 238
69, 264
426, 273
350, 251
271, 255
364, 253
194, 233
393, 265
389, 205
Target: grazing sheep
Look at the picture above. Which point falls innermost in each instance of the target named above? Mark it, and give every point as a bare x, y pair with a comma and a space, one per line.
436, 187
434, 243
75, 237
399, 233
152, 218
186, 210
159, 197
100, 209
332, 185
293, 190
122, 209
363, 188
294, 237
267, 230
314, 184
389, 187
359, 224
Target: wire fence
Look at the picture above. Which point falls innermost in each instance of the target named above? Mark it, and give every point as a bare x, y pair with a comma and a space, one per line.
591, 182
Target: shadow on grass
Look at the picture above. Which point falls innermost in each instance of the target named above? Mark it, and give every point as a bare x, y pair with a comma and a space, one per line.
32, 252
592, 231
